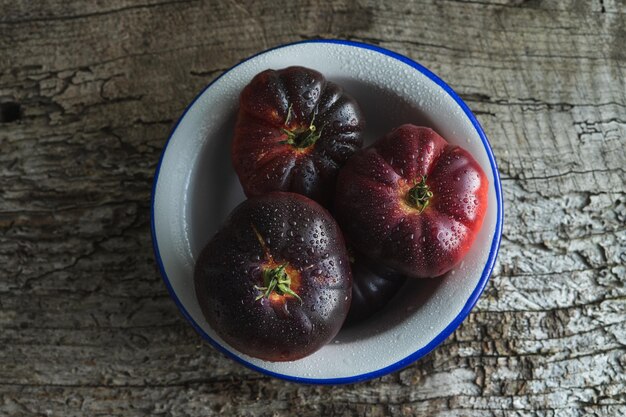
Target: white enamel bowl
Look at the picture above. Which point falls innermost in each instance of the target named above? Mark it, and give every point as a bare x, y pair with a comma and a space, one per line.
195, 188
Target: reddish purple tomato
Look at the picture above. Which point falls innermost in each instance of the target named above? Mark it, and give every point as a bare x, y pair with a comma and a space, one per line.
373, 286
275, 281
294, 131
412, 201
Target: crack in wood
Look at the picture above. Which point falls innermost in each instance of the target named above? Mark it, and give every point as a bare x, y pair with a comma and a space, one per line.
562, 174
95, 14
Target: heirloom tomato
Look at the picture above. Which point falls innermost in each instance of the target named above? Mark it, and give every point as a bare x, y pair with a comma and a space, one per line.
412, 201
294, 131
275, 281
373, 287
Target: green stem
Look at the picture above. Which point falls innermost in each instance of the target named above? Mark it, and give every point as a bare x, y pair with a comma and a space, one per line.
419, 196
301, 138
289, 114
276, 280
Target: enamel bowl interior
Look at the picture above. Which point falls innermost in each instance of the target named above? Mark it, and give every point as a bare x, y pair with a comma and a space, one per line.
195, 189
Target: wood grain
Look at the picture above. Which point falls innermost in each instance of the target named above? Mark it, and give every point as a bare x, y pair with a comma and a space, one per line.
88, 94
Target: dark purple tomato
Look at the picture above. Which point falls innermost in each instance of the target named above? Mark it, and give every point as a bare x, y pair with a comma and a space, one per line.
373, 286
412, 201
294, 131
275, 281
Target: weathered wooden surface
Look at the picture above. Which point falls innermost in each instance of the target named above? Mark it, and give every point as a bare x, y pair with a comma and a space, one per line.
86, 325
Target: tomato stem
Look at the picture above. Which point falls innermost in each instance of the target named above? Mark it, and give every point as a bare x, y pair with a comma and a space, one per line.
289, 114
264, 247
419, 195
300, 137
276, 280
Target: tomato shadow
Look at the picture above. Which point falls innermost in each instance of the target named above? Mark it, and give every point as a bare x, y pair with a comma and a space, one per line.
213, 184
383, 108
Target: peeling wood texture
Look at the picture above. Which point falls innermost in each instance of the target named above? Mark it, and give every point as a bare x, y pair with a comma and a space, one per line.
88, 94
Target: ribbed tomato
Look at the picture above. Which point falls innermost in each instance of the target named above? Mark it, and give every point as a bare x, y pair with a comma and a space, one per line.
373, 287
294, 131
275, 281
412, 201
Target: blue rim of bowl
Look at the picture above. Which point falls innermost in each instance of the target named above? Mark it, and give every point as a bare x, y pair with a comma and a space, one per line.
447, 331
